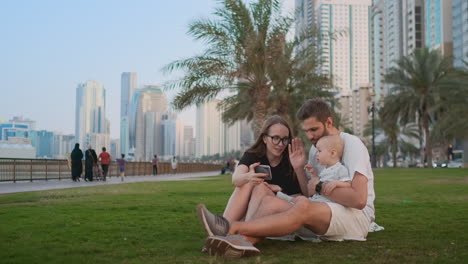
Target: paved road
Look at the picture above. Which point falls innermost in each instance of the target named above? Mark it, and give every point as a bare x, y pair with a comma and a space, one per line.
26, 186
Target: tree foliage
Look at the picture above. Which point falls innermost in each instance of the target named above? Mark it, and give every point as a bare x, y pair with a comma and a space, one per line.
249, 58
424, 89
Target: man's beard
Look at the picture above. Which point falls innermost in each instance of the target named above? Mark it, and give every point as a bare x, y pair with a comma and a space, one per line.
325, 133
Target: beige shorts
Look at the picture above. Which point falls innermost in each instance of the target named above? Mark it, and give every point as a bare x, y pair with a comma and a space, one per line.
346, 224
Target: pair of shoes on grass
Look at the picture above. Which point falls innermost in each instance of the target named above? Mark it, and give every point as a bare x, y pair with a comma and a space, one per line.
219, 242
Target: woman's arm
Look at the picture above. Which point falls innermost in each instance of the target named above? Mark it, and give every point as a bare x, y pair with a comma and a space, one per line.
244, 174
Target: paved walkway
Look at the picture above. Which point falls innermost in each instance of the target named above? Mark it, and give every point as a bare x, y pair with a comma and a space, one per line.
40, 185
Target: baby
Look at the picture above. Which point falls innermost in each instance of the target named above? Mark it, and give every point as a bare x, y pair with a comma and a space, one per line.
335, 174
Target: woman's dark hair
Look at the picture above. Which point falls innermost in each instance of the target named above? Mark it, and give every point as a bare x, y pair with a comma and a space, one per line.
259, 147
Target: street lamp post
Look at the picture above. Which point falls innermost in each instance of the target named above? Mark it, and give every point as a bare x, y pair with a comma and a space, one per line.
374, 160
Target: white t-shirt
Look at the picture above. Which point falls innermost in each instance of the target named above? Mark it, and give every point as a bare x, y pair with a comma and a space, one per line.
356, 159
337, 172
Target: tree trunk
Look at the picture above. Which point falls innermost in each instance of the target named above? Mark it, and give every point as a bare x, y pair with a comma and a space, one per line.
394, 151
427, 136
260, 108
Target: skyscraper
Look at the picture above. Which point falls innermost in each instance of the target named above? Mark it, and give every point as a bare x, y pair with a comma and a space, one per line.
128, 85
346, 53
460, 31
90, 115
214, 136
145, 125
208, 129
345, 47
189, 142
439, 25
413, 25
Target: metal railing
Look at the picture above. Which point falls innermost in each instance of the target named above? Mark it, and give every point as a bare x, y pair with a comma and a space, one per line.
45, 169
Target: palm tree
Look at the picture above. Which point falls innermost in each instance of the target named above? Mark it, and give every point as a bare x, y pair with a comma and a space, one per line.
420, 83
248, 56
295, 76
397, 136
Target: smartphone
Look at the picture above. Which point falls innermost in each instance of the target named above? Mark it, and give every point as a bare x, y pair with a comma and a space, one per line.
264, 169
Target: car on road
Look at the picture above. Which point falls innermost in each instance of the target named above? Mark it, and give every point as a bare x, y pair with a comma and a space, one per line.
458, 163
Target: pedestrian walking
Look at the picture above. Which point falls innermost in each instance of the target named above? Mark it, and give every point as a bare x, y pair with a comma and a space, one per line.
121, 163
154, 161
104, 158
76, 157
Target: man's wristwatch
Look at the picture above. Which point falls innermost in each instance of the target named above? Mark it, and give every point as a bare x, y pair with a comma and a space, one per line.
318, 187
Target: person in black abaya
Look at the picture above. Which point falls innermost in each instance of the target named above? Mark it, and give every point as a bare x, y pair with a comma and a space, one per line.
76, 165
90, 161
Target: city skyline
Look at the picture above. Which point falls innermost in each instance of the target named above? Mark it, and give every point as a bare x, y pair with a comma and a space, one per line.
53, 46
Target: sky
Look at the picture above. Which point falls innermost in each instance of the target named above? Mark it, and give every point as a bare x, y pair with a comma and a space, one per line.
48, 47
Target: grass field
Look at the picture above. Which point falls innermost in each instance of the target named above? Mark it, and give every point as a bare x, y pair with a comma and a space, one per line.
424, 212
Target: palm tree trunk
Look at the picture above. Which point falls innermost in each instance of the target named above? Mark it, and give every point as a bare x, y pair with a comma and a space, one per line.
260, 108
394, 151
425, 120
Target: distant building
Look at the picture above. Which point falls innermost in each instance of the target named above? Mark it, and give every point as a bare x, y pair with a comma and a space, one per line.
127, 91
168, 139
208, 129
439, 25
213, 135
43, 140
91, 125
16, 127
115, 149
21, 149
355, 110
62, 145
345, 55
413, 26
148, 106
460, 32
189, 142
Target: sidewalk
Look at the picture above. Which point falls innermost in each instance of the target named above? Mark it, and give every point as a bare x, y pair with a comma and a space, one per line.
40, 185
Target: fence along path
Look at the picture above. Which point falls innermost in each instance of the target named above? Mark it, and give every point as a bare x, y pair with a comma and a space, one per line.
45, 169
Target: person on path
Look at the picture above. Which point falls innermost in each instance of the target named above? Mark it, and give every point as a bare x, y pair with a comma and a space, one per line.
90, 162
76, 158
105, 158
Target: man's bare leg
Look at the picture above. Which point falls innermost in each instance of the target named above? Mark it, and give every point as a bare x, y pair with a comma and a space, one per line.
313, 215
237, 205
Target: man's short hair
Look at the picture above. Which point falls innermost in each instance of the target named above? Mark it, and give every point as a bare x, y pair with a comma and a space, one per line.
314, 108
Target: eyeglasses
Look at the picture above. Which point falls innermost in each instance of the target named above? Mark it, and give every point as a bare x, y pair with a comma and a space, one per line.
276, 140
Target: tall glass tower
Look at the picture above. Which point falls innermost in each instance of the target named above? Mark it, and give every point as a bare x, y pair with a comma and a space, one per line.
128, 85
90, 115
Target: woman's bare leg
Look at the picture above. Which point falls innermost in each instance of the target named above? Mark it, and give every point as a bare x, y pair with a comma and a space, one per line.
258, 193
237, 204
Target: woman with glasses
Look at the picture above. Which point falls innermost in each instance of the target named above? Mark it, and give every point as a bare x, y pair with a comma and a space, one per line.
270, 148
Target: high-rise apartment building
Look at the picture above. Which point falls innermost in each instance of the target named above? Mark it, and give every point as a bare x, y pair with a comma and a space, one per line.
438, 16
189, 142
413, 25
90, 115
345, 45
213, 135
208, 129
146, 133
460, 31
346, 52
128, 84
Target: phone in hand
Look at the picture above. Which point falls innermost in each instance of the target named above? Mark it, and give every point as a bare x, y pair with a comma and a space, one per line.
264, 169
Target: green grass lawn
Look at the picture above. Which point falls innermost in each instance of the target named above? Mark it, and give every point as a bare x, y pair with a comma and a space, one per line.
424, 212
